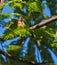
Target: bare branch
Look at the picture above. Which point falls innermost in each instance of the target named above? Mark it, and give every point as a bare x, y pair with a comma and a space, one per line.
18, 59
1, 2
41, 24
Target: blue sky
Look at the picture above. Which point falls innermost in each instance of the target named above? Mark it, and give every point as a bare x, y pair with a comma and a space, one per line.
46, 12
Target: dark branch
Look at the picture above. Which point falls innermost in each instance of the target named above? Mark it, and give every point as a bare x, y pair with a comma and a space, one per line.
41, 24
18, 59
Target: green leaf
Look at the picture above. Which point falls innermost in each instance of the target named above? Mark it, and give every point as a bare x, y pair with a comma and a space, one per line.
14, 48
22, 32
32, 7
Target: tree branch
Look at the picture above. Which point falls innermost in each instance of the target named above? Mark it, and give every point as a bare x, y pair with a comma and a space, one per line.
41, 24
1, 2
18, 59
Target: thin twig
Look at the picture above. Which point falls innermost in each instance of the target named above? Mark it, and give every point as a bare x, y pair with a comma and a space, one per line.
18, 59
41, 24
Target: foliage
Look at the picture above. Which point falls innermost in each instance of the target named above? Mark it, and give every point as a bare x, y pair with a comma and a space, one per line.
43, 38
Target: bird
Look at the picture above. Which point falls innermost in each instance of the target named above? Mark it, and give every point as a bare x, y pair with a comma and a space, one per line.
21, 23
